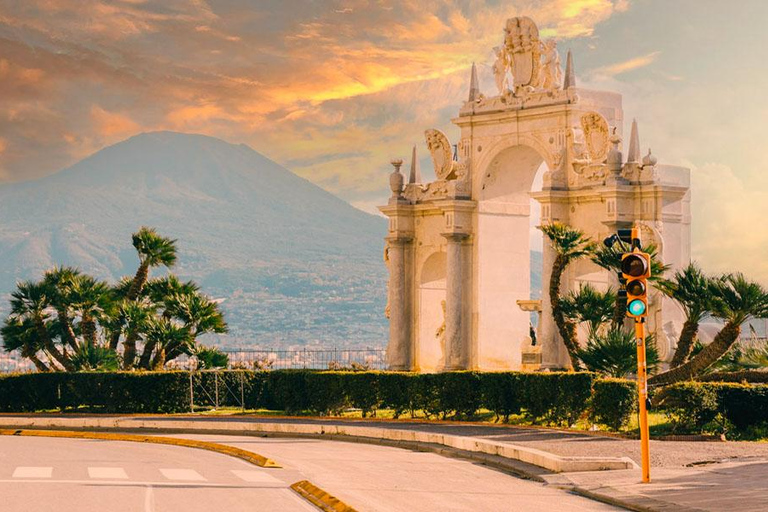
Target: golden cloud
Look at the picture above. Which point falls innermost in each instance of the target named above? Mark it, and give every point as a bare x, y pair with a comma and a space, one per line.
302, 83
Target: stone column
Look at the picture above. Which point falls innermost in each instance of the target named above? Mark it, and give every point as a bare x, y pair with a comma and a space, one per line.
547, 335
456, 333
400, 349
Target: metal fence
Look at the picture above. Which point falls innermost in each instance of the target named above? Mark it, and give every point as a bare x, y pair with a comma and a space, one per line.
322, 359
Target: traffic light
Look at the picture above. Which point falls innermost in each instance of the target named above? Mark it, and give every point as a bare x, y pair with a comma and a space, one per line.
636, 269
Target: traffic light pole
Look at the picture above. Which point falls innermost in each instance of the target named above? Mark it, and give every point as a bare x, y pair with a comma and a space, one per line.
642, 391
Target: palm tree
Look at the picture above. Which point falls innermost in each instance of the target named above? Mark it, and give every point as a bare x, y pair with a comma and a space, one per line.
569, 244
94, 357
590, 306
30, 302
609, 258
615, 353
135, 317
91, 299
691, 289
154, 250
165, 334
734, 300
59, 281
22, 335
199, 315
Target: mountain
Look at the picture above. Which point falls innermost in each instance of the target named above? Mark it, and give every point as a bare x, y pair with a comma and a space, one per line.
294, 265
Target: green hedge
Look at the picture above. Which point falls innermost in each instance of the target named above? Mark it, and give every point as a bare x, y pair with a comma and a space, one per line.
613, 402
553, 398
692, 405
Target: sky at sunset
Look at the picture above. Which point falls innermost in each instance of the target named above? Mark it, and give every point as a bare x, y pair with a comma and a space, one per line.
333, 90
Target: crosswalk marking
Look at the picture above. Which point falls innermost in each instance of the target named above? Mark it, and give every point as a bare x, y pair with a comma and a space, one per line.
32, 472
182, 474
108, 473
261, 477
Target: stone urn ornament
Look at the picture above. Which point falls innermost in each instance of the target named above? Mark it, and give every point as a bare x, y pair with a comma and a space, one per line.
396, 179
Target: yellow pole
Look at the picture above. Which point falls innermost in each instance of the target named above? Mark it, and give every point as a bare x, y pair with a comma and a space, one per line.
642, 388
642, 391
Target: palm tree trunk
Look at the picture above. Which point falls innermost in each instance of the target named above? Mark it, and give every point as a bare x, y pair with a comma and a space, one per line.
31, 354
50, 346
139, 280
114, 339
566, 329
159, 361
129, 349
146, 356
89, 330
685, 343
66, 324
703, 360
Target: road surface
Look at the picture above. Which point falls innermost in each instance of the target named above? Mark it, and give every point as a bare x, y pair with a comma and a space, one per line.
68, 475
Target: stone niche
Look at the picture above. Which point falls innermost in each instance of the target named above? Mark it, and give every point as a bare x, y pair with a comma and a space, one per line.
458, 249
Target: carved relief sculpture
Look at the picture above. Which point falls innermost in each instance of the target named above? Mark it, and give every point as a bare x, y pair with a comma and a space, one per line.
551, 75
501, 70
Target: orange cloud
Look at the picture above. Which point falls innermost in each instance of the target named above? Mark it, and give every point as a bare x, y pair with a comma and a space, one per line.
112, 124
301, 84
627, 65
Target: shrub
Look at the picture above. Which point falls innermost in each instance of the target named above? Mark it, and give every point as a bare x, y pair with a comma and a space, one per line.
752, 376
743, 405
396, 392
459, 394
362, 391
689, 405
502, 394
557, 397
613, 402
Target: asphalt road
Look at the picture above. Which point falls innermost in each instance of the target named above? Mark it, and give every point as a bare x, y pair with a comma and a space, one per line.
68, 475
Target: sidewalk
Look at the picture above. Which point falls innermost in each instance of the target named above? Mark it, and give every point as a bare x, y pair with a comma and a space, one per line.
687, 475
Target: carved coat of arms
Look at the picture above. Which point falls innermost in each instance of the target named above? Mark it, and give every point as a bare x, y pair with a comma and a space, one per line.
523, 48
596, 136
442, 156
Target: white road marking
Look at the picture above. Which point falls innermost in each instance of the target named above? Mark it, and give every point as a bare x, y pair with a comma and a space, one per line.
149, 500
32, 472
119, 483
261, 477
111, 473
189, 475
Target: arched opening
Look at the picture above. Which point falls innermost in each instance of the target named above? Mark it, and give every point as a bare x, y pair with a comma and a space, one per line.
430, 352
506, 233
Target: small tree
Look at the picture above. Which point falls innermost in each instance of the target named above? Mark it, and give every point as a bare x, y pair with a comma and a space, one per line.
569, 244
735, 300
614, 353
691, 288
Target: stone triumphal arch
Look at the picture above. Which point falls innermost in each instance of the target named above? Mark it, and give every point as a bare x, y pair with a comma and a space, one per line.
458, 248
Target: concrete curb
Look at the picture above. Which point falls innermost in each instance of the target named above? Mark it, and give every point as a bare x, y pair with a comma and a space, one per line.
542, 459
320, 498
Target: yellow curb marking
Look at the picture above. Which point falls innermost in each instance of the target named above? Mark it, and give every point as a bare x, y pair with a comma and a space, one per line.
320, 498
253, 458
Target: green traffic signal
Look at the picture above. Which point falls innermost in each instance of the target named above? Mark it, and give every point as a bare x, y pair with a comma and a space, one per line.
636, 307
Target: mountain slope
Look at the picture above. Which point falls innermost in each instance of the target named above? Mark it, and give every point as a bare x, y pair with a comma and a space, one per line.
295, 264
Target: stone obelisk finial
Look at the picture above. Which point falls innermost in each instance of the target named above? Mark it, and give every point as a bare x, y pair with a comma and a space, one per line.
633, 155
474, 85
570, 76
415, 176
